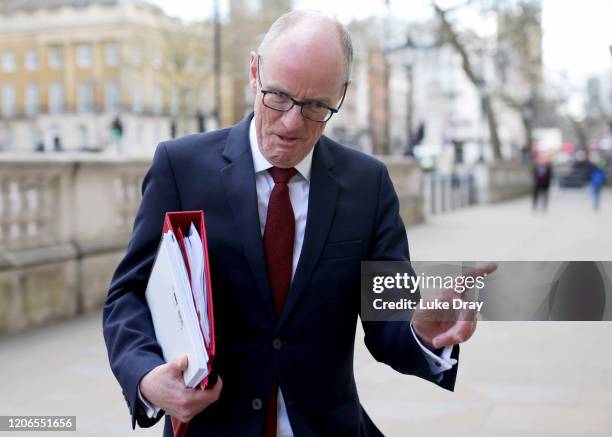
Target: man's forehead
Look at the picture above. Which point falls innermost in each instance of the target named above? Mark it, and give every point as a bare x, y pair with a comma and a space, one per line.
302, 85
308, 64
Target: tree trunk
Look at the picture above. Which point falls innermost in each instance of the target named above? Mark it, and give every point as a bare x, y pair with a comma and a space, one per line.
485, 97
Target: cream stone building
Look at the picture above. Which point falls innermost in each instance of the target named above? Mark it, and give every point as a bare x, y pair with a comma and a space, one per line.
68, 68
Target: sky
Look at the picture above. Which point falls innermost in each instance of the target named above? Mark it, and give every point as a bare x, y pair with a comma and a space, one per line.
577, 33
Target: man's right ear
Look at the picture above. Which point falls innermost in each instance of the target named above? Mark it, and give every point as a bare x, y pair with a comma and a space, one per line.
253, 72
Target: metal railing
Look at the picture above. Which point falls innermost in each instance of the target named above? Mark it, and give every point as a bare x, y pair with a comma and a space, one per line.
447, 192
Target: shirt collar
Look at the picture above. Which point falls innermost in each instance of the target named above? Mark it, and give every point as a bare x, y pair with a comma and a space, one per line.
261, 163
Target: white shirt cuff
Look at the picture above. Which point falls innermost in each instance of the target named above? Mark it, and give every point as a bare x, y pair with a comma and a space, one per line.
150, 409
437, 364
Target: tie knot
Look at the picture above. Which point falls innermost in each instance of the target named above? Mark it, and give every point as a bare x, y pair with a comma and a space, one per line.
282, 175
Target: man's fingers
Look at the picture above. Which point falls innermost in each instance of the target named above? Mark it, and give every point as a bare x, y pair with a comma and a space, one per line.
209, 395
467, 315
216, 389
444, 340
195, 401
481, 270
459, 333
447, 339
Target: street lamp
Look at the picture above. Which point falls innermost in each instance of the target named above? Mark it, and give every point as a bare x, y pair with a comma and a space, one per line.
409, 66
217, 62
407, 53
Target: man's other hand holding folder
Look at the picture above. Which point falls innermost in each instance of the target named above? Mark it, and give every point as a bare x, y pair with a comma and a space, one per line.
179, 297
164, 387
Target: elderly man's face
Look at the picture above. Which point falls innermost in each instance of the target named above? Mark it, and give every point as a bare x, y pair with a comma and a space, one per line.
285, 138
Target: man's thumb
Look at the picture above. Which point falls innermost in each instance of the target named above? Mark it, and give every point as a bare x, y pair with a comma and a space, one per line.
180, 363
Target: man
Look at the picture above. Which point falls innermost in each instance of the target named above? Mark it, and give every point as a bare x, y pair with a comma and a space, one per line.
290, 215
542, 174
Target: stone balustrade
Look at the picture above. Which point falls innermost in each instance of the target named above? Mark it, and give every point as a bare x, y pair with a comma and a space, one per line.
65, 222
64, 225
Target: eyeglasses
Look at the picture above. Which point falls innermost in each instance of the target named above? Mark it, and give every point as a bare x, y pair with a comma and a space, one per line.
311, 110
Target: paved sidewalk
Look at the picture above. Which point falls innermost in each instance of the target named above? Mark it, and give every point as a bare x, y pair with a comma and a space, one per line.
515, 378
511, 231
528, 379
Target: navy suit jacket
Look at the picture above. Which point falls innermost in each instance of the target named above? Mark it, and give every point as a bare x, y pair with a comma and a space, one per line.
353, 215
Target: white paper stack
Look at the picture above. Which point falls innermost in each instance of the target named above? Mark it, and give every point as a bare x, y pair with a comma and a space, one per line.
193, 246
174, 303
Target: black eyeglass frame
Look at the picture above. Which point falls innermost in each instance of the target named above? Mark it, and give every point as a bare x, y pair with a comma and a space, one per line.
299, 103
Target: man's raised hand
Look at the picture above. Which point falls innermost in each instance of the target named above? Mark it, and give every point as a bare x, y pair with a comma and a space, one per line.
438, 328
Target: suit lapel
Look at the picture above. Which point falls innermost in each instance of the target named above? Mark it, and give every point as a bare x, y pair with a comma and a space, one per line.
321, 207
239, 182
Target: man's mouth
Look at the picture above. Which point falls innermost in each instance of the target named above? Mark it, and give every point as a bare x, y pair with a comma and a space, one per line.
286, 139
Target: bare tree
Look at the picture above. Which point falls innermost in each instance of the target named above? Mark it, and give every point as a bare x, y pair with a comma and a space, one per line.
451, 36
518, 35
189, 71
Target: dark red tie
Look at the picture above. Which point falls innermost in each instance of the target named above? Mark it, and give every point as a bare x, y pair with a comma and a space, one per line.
278, 238
279, 235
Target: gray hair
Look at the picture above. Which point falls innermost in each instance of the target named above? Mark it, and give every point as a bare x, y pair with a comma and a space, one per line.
288, 20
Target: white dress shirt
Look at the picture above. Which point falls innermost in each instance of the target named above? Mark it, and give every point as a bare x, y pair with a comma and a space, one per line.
299, 189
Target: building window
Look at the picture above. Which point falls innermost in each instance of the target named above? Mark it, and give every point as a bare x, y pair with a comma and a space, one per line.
156, 58
206, 101
7, 138
84, 56
112, 54
8, 100
157, 99
8, 60
174, 99
137, 97
36, 140
190, 64
31, 61
55, 139
137, 55
83, 143
191, 102
32, 99
85, 97
56, 57
56, 98
112, 96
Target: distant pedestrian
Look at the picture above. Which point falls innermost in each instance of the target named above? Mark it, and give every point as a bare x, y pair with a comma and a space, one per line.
542, 173
117, 133
598, 179
201, 121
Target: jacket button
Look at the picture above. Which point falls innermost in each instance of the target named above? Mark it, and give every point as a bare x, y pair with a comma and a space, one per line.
256, 404
277, 344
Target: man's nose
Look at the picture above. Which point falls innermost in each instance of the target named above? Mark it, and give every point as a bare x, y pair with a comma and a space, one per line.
293, 119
